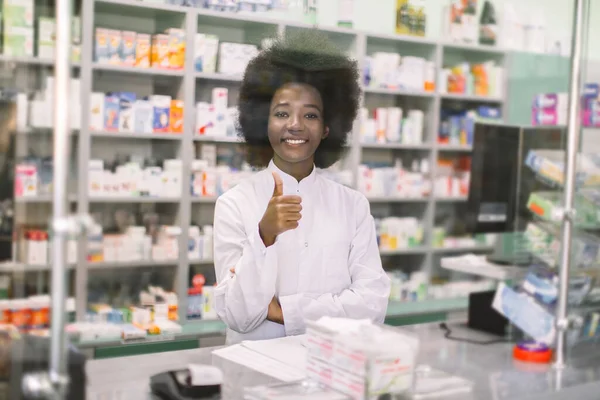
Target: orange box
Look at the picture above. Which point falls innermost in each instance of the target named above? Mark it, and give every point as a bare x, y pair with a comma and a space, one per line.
176, 116
160, 51
176, 48
142, 50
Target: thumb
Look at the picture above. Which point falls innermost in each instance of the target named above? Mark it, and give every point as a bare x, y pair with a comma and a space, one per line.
278, 189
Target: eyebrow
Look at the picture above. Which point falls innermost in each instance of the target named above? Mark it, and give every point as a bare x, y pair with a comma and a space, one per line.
305, 105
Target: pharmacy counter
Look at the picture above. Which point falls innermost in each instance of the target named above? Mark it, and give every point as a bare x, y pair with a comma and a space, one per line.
491, 368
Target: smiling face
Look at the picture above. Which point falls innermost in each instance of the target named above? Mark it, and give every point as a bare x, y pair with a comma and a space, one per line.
296, 127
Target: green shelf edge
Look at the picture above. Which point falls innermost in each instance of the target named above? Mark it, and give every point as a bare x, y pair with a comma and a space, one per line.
398, 314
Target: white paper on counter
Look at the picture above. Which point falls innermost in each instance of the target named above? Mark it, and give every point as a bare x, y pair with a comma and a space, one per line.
249, 358
289, 350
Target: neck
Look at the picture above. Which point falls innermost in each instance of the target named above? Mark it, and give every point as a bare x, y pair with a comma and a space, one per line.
299, 170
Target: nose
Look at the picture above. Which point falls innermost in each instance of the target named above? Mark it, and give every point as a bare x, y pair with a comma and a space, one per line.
295, 122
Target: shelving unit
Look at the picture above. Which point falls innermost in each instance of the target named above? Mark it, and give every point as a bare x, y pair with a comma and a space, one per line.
121, 13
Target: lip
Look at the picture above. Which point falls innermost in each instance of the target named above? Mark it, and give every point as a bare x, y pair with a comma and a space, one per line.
284, 140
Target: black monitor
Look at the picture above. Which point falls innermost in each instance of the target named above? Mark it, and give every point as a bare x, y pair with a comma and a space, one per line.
500, 181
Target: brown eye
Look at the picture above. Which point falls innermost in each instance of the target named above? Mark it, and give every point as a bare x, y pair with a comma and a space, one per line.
281, 114
312, 116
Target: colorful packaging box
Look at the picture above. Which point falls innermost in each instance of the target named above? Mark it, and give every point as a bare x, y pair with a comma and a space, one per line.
115, 41
111, 111
176, 48
176, 116
26, 180
18, 42
162, 111
205, 52
160, 51
101, 46
142, 50
128, 53
18, 13
143, 116
126, 100
97, 111
45, 38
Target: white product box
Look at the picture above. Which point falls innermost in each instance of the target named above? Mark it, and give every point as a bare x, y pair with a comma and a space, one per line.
96, 178
97, 111
205, 53
394, 124
234, 57
204, 119
162, 112
37, 252
220, 99
143, 114
18, 42
40, 114
381, 118
18, 13
46, 38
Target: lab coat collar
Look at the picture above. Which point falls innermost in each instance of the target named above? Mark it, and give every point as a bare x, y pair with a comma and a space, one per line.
291, 185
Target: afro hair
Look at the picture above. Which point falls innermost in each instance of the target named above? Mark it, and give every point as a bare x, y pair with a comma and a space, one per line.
307, 57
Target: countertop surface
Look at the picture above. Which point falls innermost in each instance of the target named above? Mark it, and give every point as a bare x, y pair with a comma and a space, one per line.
491, 367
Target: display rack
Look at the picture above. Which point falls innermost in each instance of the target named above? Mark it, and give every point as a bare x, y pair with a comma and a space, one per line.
188, 80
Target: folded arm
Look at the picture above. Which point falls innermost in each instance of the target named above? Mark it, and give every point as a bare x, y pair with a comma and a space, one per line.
365, 298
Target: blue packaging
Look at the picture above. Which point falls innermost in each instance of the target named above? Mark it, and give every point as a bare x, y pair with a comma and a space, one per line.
489, 112
111, 111
126, 101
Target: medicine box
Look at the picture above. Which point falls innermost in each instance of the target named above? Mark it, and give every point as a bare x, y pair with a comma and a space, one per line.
176, 48
26, 180
111, 111
114, 46
18, 42
143, 114
97, 111
205, 52
126, 100
162, 111
160, 51
18, 13
101, 46
45, 37
142, 50
176, 116
128, 54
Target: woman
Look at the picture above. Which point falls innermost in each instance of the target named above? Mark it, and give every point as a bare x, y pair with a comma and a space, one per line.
291, 245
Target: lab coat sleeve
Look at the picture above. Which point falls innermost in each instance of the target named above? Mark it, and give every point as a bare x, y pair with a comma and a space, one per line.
365, 298
241, 298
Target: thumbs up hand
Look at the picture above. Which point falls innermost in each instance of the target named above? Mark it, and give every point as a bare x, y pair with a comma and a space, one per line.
282, 214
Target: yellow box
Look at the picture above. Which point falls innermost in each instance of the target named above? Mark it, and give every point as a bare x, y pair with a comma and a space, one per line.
176, 116
143, 46
160, 51
176, 48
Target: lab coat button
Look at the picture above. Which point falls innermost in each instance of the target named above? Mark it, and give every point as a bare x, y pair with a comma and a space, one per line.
305, 244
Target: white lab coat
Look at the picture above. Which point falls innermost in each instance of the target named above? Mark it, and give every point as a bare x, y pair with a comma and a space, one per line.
328, 266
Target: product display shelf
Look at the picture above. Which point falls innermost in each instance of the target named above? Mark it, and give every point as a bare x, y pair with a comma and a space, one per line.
31, 61
394, 146
407, 250
137, 70
454, 147
398, 313
131, 264
15, 266
387, 199
194, 18
475, 47
214, 139
450, 199
41, 199
121, 135
134, 199
463, 249
399, 92
218, 77
471, 97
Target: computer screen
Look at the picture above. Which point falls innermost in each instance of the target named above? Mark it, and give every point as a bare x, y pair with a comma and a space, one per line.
500, 181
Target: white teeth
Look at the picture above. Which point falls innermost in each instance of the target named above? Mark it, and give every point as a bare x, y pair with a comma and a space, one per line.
295, 141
